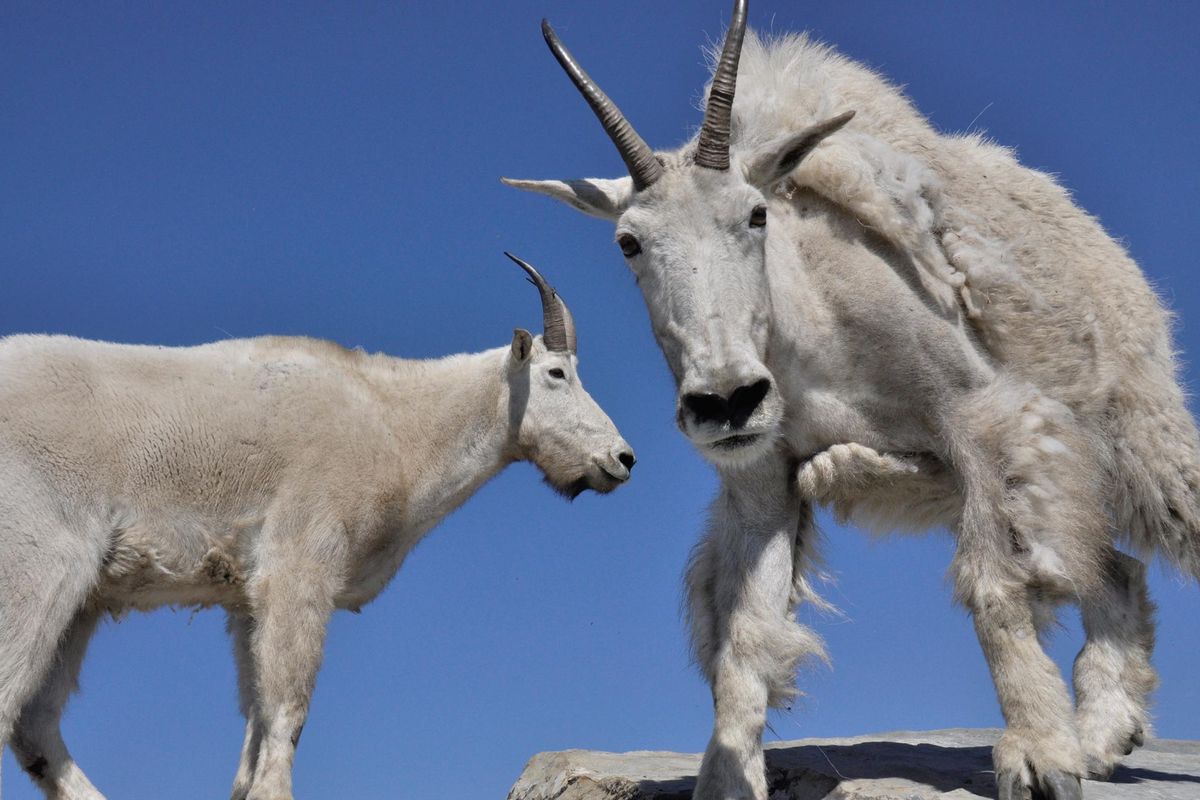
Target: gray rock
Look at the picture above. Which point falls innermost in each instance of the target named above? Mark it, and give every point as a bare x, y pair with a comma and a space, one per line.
904, 765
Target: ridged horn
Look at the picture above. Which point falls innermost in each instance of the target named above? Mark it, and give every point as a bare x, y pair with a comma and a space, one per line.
558, 326
637, 155
712, 151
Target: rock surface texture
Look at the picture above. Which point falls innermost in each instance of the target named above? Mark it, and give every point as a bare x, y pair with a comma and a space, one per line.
953, 763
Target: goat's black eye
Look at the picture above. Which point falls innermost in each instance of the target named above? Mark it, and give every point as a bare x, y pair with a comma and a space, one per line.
630, 246
758, 217
557, 373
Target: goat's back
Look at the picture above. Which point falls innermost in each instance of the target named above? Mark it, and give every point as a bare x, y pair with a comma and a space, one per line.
1059, 303
193, 425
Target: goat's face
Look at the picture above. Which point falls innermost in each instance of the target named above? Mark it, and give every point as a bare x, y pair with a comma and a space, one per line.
559, 427
693, 227
695, 242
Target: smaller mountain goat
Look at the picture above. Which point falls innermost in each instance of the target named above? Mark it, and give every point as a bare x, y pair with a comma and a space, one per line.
281, 478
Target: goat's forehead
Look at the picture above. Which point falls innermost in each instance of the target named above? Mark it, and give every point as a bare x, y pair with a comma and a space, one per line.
552, 358
689, 195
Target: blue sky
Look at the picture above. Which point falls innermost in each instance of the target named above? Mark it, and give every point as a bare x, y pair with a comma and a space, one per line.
187, 172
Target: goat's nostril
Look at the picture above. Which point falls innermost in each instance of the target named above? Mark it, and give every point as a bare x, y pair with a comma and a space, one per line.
627, 460
707, 407
736, 410
745, 399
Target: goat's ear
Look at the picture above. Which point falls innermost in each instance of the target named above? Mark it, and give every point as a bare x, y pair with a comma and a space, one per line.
606, 198
522, 346
775, 160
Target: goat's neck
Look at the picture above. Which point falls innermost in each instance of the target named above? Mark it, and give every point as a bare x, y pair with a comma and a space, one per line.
451, 423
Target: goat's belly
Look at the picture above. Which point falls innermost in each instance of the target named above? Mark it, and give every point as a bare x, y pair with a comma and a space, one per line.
147, 567
924, 500
149, 597
142, 581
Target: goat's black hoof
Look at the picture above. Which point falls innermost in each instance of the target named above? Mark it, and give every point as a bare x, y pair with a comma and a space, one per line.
1009, 786
1057, 785
1100, 769
1052, 785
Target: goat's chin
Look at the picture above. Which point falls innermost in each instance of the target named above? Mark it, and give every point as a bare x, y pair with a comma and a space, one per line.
571, 488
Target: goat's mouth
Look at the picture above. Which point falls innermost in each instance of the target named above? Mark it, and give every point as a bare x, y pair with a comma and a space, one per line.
736, 441
613, 478
606, 483
734, 448
598, 480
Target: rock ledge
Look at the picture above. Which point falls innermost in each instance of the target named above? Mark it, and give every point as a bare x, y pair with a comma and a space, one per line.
904, 765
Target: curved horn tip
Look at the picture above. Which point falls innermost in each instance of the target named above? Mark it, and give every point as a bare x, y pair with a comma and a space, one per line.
643, 167
557, 323
523, 264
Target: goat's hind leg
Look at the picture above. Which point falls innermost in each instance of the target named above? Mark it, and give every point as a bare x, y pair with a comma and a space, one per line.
241, 626
46, 573
1032, 532
1113, 675
37, 740
1038, 754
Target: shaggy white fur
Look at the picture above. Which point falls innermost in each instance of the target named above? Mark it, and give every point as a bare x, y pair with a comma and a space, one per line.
929, 334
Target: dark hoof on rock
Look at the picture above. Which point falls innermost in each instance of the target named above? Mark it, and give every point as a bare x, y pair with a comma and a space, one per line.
1009, 786
1057, 785
1053, 785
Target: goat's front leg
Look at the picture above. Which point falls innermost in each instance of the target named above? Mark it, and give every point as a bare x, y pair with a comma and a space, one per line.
240, 626
291, 605
744, 581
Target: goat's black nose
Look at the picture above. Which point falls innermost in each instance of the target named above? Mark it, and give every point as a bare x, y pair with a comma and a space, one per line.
745, 399
735, 410
627, 459
707, 407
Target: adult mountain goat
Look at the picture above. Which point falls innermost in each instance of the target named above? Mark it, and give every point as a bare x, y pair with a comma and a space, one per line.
281, 478
919, 331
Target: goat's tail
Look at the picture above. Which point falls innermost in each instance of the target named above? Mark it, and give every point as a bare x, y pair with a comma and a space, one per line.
1157, 452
